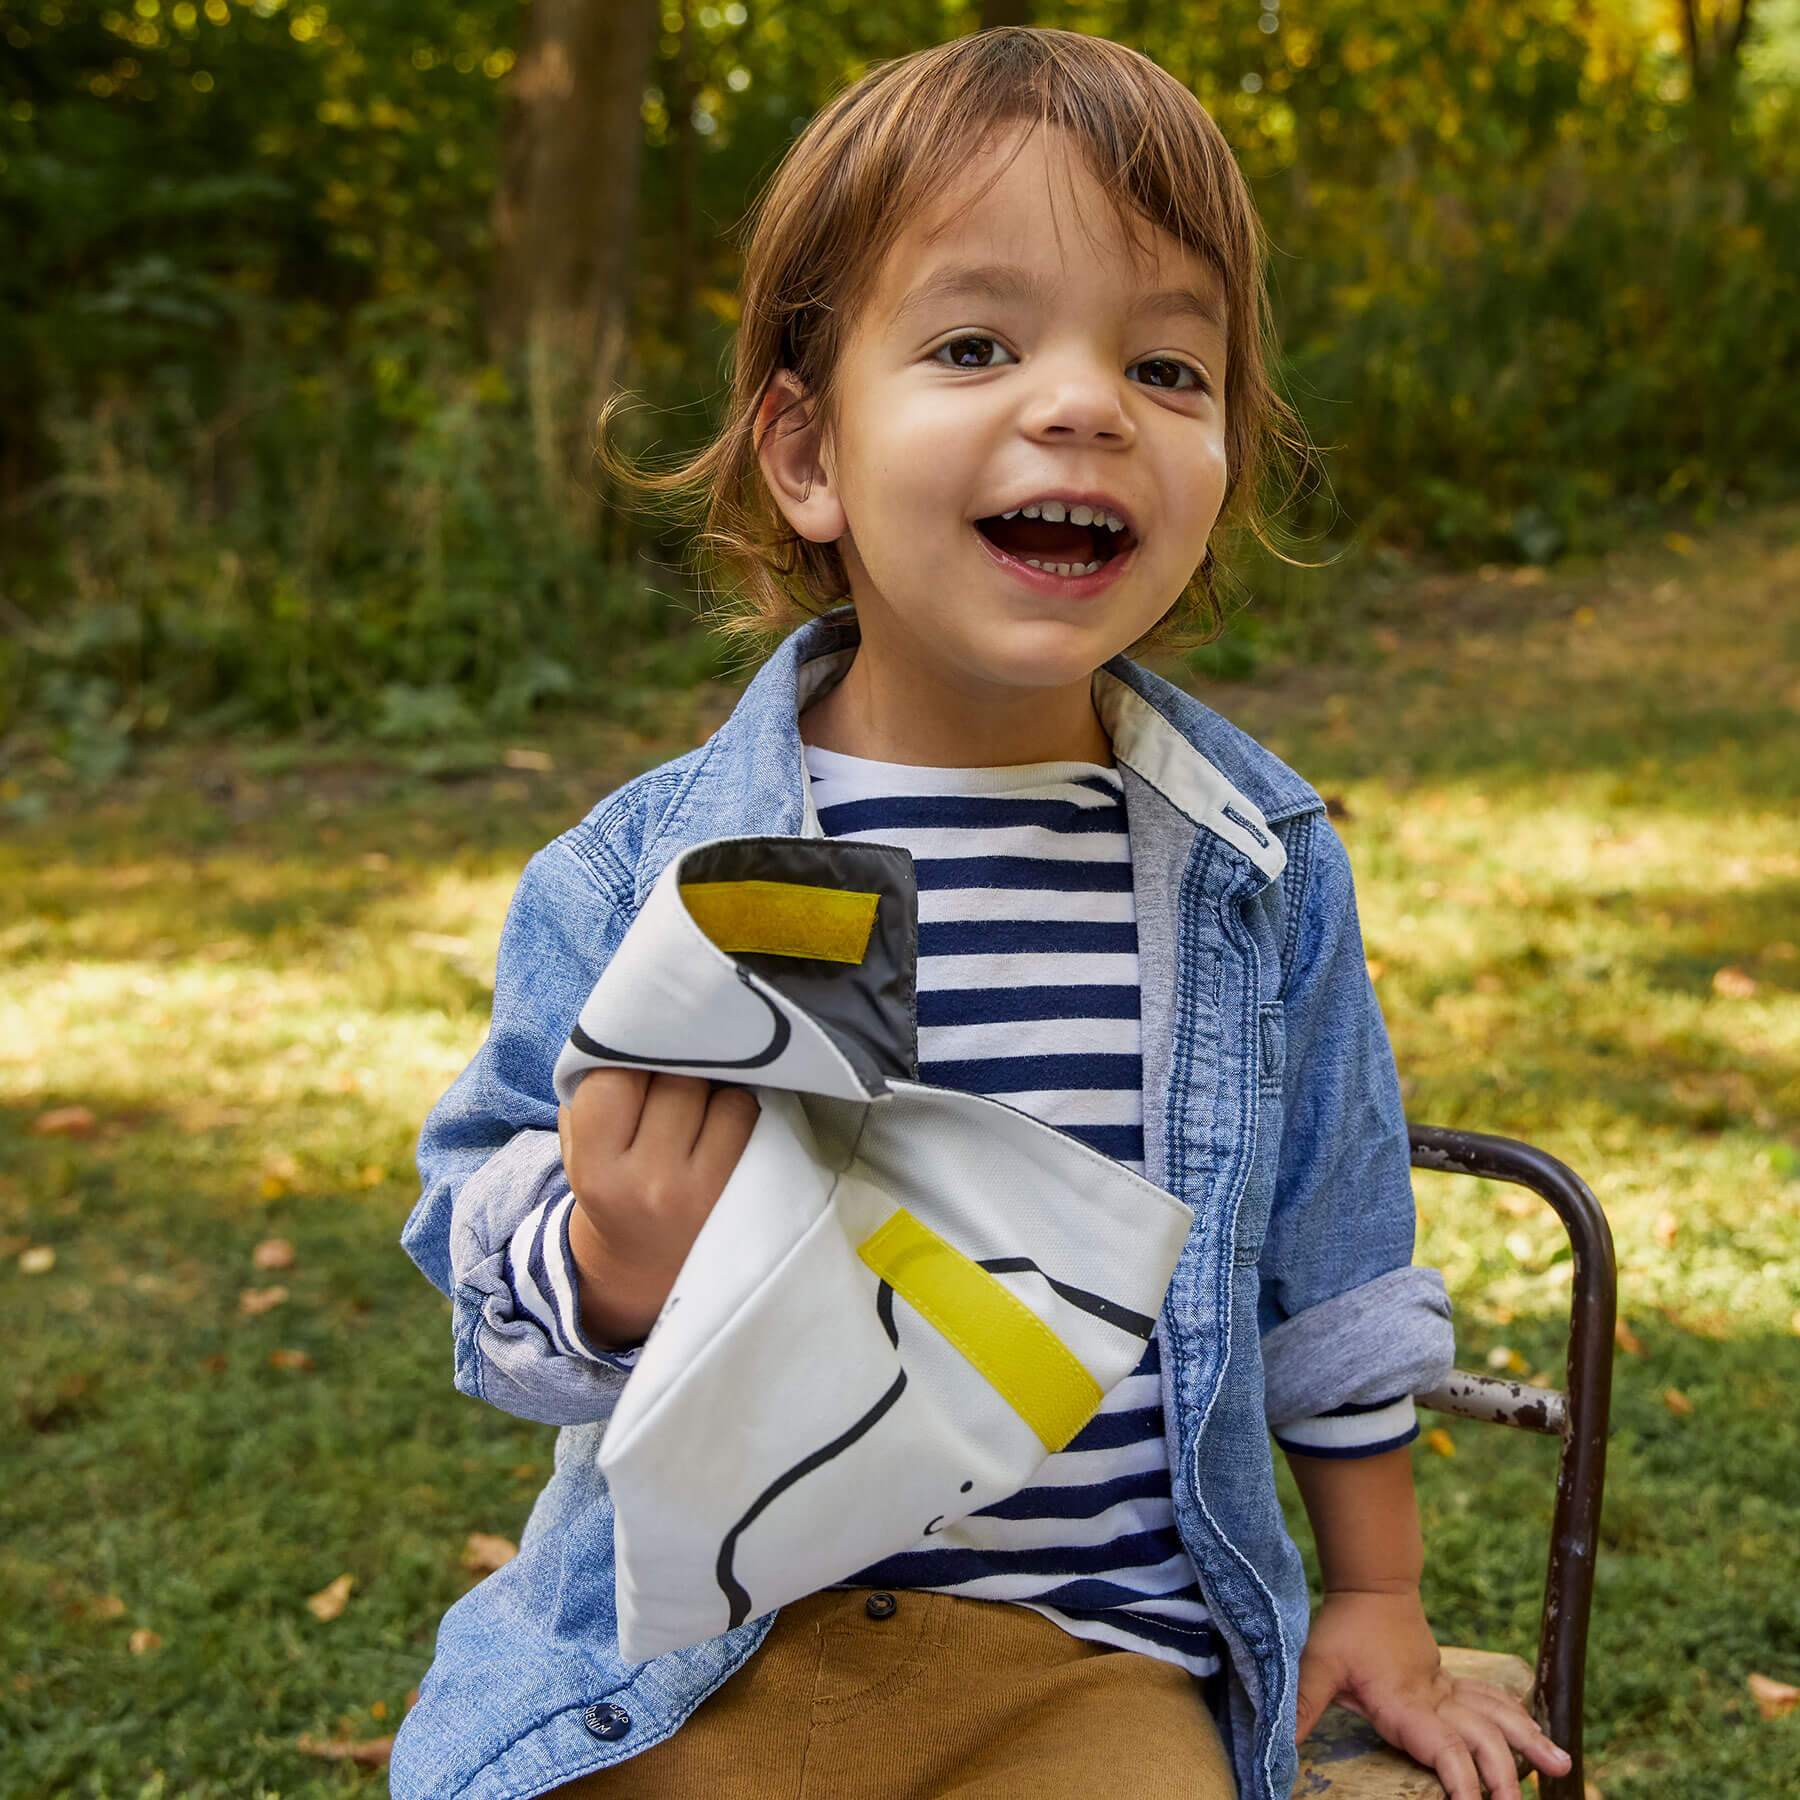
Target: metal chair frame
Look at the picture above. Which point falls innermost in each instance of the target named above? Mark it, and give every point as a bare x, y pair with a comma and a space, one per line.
1577, 1414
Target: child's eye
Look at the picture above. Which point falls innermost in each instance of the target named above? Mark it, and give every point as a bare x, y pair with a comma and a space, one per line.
957, 346
1180, 368
957, 343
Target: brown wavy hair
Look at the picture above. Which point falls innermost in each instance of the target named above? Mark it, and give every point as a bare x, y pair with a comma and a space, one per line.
877, 155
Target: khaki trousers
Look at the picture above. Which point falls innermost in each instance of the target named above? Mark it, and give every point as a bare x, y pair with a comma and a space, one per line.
859, 1694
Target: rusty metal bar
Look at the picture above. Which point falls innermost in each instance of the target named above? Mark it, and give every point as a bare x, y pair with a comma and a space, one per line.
1500, 1402
1581, 1467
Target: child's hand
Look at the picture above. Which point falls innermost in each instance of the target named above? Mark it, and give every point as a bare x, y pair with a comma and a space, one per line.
646, 1155
1375, 1654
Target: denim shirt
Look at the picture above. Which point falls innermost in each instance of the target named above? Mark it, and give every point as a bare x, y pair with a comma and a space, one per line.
1271, 1106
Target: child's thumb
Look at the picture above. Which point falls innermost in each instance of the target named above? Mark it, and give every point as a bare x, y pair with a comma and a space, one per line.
1318, 1688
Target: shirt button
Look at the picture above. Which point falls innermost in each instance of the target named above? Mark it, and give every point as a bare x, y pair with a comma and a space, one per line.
881, 1606
605, 1720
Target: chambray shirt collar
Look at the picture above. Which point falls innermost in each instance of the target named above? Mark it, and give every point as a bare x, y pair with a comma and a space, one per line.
750, 778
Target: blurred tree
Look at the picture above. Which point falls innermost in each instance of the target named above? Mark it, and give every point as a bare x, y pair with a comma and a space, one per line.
1006, 12
1712, 39
565, 218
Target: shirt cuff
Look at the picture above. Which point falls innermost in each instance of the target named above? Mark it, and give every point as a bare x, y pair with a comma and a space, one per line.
540, 1270
1365, 1428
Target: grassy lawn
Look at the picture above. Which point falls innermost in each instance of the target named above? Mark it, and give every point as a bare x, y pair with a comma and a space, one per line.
1571, 801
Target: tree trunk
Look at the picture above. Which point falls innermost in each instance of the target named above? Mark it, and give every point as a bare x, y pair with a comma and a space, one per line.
683, 171
564, 223
1712, 42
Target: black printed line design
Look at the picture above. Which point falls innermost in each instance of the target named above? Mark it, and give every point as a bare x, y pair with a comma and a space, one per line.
1110, 1312
778, 1042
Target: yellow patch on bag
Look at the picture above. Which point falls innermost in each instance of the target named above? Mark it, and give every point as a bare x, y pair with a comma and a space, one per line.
783, 918
1026, 1363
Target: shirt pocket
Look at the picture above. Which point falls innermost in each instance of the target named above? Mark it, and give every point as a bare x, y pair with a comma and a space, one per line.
1259, 1189
1271, 1029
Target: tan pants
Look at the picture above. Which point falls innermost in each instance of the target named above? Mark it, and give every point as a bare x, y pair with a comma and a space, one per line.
942, 1696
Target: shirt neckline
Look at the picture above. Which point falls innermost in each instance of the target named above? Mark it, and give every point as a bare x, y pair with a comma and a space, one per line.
924, 777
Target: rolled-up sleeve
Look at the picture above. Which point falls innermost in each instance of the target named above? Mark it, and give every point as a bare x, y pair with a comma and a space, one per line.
487, 1230
1351, 1328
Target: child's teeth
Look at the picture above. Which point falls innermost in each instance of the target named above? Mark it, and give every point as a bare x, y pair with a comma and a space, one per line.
1062, 568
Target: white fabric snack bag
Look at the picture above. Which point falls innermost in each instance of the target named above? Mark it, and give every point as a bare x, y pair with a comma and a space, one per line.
906, 1296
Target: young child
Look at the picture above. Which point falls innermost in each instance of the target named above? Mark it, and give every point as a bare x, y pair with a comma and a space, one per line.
1002, 367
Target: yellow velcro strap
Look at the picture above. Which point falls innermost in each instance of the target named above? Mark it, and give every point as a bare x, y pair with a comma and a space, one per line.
783, 918
1028, 1365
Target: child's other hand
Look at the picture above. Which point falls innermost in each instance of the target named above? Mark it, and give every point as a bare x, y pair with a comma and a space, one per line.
1374, 1653
646, 1155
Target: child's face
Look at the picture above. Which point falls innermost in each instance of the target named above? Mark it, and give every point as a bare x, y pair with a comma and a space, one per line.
958, 403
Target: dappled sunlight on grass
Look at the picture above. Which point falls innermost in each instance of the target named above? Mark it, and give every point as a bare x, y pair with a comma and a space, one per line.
257, 996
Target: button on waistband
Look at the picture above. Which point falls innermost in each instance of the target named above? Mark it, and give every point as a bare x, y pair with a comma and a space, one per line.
882, 1606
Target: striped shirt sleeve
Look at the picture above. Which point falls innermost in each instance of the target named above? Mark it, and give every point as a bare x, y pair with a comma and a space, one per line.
1363, 1428
540, 1270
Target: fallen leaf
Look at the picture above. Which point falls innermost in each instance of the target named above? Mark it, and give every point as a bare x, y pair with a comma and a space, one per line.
107, 1606
290, 1359
378, 1710
487, 1553
40, 1259
141, 1640
330, 1600
273, 1253
280, 1172
524, 1471
372, 1753
1680, 543
1440, 1440
259, 1300
1627, 1339
518, 757
64, 1121
1665, 1229
1677, 1402
1773, 1698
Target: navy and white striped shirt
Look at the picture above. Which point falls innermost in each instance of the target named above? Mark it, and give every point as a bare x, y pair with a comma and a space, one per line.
1027, 991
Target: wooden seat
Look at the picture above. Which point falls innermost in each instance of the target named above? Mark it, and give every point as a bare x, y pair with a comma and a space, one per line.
1344, 1757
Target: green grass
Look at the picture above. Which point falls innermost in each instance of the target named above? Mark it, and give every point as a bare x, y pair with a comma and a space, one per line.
1571, 803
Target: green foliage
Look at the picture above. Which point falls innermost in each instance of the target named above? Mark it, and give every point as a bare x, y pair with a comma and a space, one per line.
259, 468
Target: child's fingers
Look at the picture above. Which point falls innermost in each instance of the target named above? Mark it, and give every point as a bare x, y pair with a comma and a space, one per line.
674, 1109
604, 1110
1488, 1746
1416, 1726
1520, 1729
731, 1116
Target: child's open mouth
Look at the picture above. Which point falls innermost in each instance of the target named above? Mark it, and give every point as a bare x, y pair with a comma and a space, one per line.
1048, 538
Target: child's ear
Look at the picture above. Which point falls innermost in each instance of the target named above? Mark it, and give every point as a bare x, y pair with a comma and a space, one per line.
790, 453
